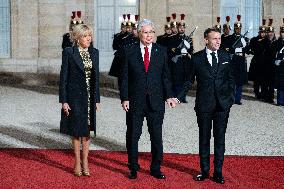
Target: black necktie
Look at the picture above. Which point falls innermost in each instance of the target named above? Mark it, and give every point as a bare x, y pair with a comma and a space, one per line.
214, 62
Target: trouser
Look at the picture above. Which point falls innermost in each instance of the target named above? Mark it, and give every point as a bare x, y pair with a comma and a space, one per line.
257, 89
219, 118
280, 97
268, 92
134, 121
238, 93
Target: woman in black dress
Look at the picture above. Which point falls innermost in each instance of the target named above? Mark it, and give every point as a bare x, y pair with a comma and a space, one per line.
79, 94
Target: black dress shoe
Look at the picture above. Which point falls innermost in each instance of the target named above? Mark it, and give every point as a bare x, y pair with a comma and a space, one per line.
130, 167
218, 179
158, 175
238, 103
201, 177
258, 96
132, 175
269, 101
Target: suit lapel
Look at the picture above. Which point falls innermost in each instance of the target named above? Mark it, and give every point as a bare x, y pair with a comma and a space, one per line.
220, 61
207, 64
139, 56
153, 56
78, 58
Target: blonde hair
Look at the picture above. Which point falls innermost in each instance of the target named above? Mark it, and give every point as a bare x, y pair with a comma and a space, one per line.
80, 31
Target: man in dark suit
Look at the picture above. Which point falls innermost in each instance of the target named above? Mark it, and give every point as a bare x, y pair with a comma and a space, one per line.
214, 97
144, 88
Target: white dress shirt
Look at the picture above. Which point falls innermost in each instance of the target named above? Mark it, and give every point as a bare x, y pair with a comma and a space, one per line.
143, 50
209, 56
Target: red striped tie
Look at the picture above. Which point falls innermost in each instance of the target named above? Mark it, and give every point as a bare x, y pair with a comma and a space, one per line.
146, 59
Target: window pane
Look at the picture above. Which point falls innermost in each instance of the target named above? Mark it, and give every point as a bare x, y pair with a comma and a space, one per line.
250, 10
127, 2
252, 17
4, 29
108, 13
105, 2
105, 21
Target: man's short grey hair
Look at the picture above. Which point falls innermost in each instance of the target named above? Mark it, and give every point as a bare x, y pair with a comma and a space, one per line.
145, 22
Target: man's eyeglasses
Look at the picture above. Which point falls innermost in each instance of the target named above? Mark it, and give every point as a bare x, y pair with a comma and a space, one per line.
148, 32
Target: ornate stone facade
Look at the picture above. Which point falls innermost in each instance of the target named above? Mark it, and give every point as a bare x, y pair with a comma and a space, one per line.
37, 27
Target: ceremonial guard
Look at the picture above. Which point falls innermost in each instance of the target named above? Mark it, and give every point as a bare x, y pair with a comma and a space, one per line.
180, 51
75, 20
164, 39
279, 66
268, 69
239, 46
114, 69
129, 39
218, 26
125, 39
257, 48
134, 27
225, 36
174, 24
117, 37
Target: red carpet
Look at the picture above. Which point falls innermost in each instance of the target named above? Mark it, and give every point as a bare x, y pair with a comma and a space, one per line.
27, 168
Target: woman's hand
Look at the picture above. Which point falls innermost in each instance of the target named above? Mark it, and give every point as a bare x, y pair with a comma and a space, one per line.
125, 105
97, 106
66, 108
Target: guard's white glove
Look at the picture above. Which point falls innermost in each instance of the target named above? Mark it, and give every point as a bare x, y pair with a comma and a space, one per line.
238, 50
183, 51
281, 50
244, 43
186, 44
277, 62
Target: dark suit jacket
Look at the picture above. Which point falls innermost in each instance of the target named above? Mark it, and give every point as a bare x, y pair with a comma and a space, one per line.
73, 90
209, 87
136, 83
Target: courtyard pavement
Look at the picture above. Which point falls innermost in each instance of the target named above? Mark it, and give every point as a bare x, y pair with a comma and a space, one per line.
30, 119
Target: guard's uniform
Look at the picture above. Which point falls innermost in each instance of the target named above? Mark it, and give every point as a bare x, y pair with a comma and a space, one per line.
180, 49
239, 46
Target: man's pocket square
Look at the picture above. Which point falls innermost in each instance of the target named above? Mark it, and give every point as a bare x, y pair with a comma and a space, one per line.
225, 62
